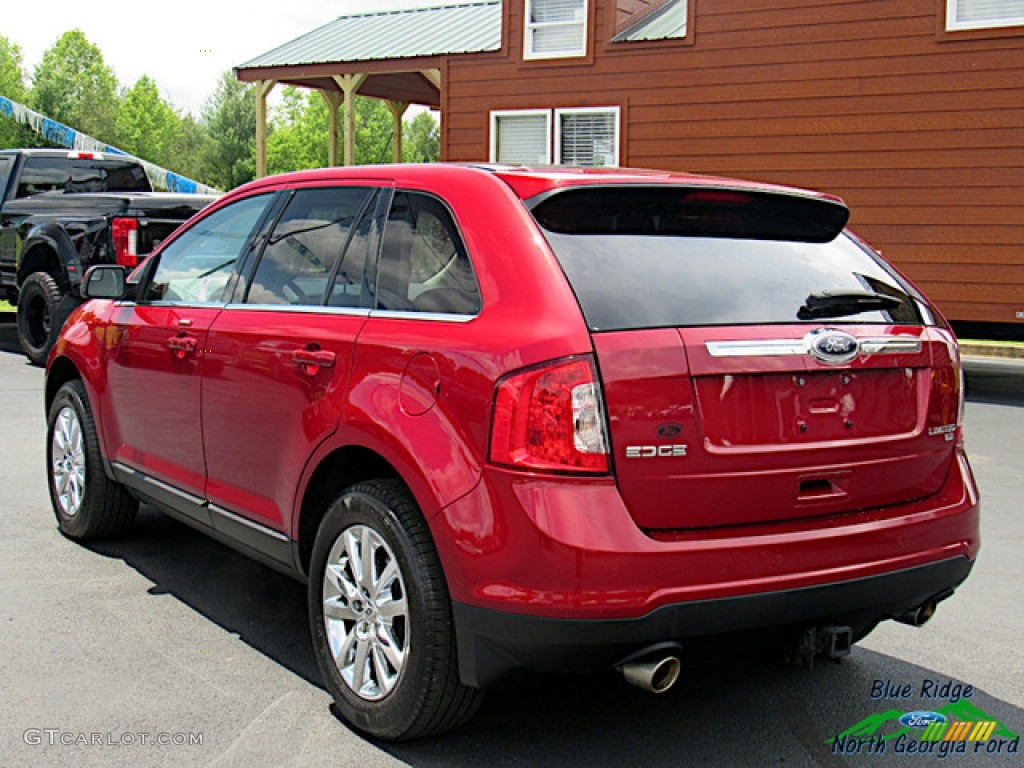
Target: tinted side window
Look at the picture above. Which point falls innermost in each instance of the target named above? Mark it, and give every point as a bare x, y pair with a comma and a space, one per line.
6, 163
196, 267
355, 275
300, 256
424, 266
49, 174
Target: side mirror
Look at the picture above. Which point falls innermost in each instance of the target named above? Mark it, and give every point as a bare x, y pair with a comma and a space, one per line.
104, 281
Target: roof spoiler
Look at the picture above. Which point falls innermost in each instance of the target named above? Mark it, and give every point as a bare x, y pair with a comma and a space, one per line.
669, 210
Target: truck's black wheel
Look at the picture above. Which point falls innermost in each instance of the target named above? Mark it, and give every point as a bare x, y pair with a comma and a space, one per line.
37, 312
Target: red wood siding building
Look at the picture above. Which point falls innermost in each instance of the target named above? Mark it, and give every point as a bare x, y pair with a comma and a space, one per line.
920, 129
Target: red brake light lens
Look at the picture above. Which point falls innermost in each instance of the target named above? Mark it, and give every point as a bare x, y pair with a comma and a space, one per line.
950, 386
125, 233
551, 419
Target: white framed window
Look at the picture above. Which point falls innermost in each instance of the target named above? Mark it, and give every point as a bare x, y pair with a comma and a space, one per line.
521, 136
555, 29
983, 14
587, 136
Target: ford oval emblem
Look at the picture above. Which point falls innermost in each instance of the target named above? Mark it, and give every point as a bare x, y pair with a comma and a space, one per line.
921, 719
831, 346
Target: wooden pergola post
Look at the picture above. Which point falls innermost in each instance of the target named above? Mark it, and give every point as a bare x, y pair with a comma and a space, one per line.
263, 89
333, 99
397, 110
349, 85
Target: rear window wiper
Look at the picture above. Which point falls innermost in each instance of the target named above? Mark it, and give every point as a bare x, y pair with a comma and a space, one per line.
838, 304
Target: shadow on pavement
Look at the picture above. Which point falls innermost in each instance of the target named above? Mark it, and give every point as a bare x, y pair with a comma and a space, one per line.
742, 709
267, 610
1000, 382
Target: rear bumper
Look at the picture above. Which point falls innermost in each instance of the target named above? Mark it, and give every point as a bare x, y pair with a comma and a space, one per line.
492, 644
553, 574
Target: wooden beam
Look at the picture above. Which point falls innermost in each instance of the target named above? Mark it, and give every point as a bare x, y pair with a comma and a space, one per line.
263, 89
349, 85
333, 99
432, 76
397, 110
329, 68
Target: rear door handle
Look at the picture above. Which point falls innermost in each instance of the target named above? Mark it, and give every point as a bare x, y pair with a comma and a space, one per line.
182, 346
310, 361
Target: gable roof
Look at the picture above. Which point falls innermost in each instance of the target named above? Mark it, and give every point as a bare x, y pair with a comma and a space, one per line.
472, 26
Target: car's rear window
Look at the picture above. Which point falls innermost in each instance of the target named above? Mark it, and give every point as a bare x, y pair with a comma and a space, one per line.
650, 258
54, 174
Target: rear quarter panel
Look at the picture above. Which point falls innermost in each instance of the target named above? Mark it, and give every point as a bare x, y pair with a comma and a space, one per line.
422, 389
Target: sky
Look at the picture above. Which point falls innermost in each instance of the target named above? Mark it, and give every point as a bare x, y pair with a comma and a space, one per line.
185, 45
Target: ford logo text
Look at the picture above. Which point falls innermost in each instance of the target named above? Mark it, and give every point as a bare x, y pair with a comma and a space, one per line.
832, 347
921, 719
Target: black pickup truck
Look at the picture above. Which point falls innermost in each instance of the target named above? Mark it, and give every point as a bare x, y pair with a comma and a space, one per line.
63, 211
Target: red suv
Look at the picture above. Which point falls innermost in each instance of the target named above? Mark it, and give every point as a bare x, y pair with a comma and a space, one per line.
506, 419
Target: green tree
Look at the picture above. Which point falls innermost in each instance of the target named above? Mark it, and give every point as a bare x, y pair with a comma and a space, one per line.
74, 86
374, 131
147, 126
299, 132
12, 85
191, 148
421, 139
229, 118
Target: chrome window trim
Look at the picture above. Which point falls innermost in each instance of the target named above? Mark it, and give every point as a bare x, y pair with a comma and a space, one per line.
437, 317
317, 309
881, 345
300, 309
174, 304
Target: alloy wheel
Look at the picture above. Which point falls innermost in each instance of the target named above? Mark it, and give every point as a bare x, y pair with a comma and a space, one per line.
365, 612
68, 461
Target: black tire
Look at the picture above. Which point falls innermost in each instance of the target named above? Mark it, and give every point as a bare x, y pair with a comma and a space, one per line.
87, 503
421, 694
37, 316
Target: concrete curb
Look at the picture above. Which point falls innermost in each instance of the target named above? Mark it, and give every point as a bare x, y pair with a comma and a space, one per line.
999, 351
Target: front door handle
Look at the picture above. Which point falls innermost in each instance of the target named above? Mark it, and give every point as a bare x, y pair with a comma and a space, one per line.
182, 346
311, 360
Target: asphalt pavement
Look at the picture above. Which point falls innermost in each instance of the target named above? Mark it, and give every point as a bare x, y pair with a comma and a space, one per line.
166, 636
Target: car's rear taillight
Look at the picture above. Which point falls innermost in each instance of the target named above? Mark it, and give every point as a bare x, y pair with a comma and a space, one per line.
551, 418
949, 390
125, 233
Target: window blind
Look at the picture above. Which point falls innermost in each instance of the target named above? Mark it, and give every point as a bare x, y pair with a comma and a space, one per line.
588, 138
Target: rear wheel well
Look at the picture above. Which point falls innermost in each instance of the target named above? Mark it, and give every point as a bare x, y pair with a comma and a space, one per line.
41, 258
337, 472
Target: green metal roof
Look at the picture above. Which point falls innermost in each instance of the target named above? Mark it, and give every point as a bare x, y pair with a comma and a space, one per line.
471, 26
668, 21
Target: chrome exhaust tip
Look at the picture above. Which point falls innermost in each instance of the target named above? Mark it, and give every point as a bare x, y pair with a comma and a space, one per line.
653, 675
920, 615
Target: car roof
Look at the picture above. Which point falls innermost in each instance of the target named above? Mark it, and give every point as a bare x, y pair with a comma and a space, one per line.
526, 181
529, 181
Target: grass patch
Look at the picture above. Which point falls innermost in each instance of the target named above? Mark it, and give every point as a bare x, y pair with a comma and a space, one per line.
5, 306
980, 342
